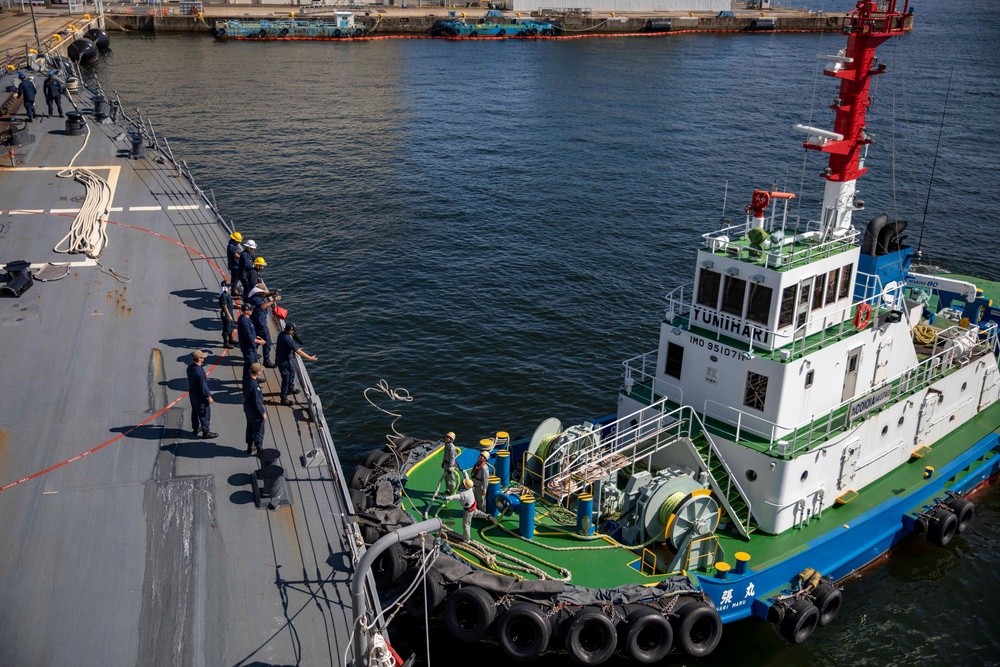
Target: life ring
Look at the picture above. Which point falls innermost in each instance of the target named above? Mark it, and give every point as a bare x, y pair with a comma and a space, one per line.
284, 32
469, 614
337, 33
943, 526
501, 32
828, 599
389, 566
862, 316
590, 637
414, 605
698, 628
646, 636
963, 509
359, 499
360, 477
523, 631
800, 621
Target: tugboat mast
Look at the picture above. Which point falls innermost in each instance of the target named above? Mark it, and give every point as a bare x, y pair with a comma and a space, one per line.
868, 26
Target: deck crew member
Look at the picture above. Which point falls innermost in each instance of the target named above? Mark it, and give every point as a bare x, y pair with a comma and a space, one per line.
449, 464
54, 90
226, 313
480, 475
26, 90
248, 340
260, 302
286, 347
233, 251
246, 263
468, 499
253, 408
201, 397
253, 273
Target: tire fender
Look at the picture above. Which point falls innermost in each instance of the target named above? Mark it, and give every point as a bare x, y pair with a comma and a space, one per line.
828, 599
590, 637
800, 621
469, 614
646, 636
389, 567
523, 631
698, 628
964, 509
943, 526
436, 594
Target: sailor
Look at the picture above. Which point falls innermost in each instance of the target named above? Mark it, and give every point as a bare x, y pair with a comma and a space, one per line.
246, 263
449, 464
253, 273
261, 301
468, 499
226, 313
26, 90
248, 340
201, 397
54, 90
253, 408
233, 250
480, 475
287, 346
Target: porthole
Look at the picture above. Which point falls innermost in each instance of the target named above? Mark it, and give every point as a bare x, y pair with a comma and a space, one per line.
805, 474
751, 475
900, 422
809, 378
885, 429
965, 386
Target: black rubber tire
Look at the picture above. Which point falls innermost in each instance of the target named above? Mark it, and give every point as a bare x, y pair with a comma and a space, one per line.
389, 566
262, 33
523, 631
401, 444
473, 34
964, 509
220, 32
520, 33
378, 459
284, 32
370, 534
414, 605
800, 621
359, 499
534, 31
358, 32
469, 614
501, 32
698, 629
828, 599
360, 477
337, 33
646, 636
943, 527
590, 637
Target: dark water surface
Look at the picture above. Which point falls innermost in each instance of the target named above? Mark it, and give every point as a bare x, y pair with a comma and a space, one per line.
493, 225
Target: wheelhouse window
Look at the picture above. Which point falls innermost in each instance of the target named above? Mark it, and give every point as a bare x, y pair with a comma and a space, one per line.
708, 288
675, 360
732, 296
818, 289
787, 307
831, 286
756, 391
759, 308
845, 281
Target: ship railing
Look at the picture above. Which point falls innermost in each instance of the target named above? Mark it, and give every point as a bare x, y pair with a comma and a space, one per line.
741, 421
679, 301
780, 252
641, 370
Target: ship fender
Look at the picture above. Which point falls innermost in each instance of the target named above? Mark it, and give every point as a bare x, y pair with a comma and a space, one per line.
646, 636
697, 627
523, 631
378, 459
942, 526
359, 499
360, 478
100, 39
800, 621
590, 637
389, 566
417, 604
828, 599
469, 614
964, 509
82, 50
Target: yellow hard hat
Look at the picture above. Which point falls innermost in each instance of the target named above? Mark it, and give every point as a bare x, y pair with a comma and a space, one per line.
236, 236
468, 483
259, 262
450, 434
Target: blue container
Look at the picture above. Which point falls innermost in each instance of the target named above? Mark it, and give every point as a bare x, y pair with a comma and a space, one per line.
502, 468
585, 514
492, 491
526, 525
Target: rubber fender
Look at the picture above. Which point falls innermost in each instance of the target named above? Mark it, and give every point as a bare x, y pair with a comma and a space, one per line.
358, 32
943, 526
697, 627
360, 477
378, 458
284, 32
501, 32
800, 621
400, 444
220, 32
414, 605
646, 636
389, 567
828, 599
523, 631
590, 637
469, 614
964, 509
359, 499
337, 33
473, 34
370, 534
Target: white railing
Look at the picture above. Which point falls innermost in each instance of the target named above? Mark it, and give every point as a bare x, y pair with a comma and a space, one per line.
780, 252
642, 369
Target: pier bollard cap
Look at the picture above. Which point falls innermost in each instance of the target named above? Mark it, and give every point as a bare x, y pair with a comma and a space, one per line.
199, 354
255, 368
236, 236
251, 244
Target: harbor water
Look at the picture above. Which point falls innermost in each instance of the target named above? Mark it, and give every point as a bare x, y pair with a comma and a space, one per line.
492, 227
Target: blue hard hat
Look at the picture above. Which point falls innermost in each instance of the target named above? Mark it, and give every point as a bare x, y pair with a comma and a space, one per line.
51, 73
20, 75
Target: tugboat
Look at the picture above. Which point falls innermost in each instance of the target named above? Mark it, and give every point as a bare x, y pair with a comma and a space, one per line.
812, 402
494, 24
343, 26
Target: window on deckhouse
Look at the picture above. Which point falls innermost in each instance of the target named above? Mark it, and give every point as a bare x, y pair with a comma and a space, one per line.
732, 296
675, 360
759, 308
818, 284
845, 281
787, 312
708, 288
756, 391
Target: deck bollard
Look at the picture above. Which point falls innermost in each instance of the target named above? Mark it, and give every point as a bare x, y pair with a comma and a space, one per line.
526, 525
503, 467
492, 491
585, 514
742, 558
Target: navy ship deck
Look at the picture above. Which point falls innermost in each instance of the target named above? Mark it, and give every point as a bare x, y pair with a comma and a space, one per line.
127, 540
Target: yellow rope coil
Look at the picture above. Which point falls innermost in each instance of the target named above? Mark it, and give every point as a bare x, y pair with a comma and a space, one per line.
924, 334
670, 506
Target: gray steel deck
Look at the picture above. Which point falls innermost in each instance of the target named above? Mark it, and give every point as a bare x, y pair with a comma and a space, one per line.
148, 550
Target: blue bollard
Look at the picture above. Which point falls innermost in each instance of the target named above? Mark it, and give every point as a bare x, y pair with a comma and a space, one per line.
742, 558
585, 514
503, 468
526, 525
492, 491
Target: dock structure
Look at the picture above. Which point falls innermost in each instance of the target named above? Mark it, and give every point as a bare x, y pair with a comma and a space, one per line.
128, 540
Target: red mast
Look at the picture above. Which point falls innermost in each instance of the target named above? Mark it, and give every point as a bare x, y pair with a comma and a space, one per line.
868, 26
